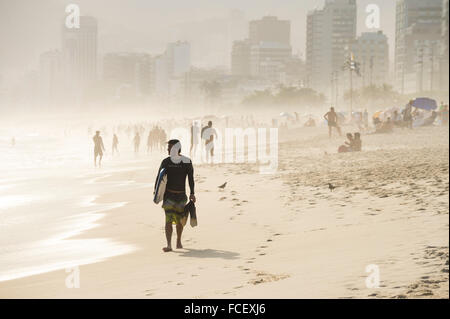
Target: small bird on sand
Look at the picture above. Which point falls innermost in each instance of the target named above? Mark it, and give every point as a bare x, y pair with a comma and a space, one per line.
223, 185
331, 187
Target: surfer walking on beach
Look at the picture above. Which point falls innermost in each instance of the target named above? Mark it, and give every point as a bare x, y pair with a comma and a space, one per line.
177, 167
98, 148
332, 119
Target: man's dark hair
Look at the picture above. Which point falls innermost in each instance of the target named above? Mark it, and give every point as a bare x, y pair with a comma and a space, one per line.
173, 142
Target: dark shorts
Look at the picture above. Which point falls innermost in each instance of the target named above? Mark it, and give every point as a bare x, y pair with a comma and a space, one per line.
332, 124
98, 151
173, 205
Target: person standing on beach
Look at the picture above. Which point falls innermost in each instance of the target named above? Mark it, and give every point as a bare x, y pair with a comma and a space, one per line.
98, 148
443, 113
137, 142
407, 115
195, 130
114, 144
332, 119
366, 119
149, 141
208, 133
178, 167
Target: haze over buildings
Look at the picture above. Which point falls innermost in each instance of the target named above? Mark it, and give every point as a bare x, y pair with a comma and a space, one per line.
418, 37
219, 54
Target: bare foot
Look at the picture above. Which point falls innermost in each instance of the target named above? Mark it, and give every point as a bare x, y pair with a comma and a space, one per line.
179, 246
167, 249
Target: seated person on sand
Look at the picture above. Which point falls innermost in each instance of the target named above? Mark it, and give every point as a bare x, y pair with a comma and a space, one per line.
376, 121
348, 147
386, 127
357, 143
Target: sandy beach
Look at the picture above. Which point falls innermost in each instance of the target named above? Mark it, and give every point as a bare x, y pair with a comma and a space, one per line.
281, 235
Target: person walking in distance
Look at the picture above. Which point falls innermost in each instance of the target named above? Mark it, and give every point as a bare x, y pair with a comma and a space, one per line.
115, 143
99, 148
195, 132
137, 142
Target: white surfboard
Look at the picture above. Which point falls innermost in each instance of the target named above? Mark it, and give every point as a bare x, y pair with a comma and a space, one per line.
160, 188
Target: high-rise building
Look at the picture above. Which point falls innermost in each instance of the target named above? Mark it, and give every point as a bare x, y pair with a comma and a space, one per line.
50, 77
178, 57
330, 32
79, 51
133, 70
270, 29
265, 53
169, 70
417, 42
371, 50
240, 58
268, 60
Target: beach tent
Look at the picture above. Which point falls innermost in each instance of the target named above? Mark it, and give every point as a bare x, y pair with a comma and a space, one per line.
425, 103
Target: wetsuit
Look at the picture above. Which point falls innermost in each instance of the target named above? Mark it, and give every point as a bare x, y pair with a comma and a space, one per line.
177, 173
175, 196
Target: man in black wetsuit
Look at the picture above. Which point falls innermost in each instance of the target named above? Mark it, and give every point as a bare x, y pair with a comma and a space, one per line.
177, 167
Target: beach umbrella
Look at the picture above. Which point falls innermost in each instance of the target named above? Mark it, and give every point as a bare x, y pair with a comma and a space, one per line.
425, 103
377, 114
287, 115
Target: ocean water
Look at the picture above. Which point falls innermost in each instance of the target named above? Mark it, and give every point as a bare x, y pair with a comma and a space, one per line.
48, 188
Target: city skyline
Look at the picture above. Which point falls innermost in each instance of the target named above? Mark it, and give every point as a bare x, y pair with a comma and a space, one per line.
147, 33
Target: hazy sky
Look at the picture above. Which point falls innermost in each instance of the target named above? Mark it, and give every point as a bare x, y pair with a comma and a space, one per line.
30, 27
